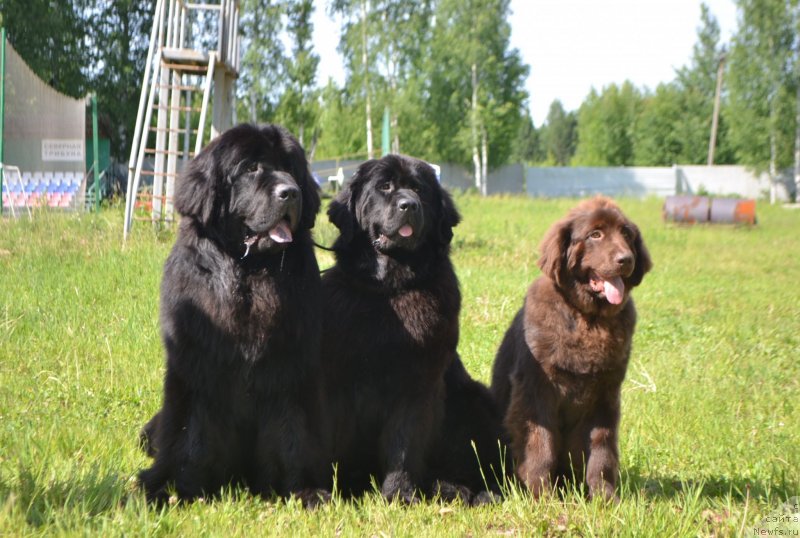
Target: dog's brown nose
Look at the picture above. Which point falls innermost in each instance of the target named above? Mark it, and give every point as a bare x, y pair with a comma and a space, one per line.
287, 192
625, 258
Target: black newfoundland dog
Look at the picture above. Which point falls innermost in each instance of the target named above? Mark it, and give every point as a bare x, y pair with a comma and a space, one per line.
558, 372
240, 320
390, 330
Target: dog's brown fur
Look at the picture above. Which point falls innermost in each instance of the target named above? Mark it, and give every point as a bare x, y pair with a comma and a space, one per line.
559, 369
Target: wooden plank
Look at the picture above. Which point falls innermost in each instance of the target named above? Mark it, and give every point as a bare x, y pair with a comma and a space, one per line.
184, 56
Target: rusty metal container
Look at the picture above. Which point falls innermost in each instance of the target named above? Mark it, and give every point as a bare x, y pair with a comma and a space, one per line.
687, 209
732, 210
695, 209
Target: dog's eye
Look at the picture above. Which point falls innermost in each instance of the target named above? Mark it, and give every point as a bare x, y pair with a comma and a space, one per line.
597, 234
385, 186
627, 233
252, 167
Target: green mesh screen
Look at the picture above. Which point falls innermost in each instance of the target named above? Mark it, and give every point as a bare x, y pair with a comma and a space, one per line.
45, 130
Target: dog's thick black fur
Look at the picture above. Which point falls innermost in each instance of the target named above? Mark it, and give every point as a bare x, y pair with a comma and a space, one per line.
390, 330
240, 320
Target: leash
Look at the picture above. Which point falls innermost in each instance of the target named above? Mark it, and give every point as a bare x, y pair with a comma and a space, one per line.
329, 249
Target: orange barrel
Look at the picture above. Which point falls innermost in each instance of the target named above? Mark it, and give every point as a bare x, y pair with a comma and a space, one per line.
733, 210
688, 209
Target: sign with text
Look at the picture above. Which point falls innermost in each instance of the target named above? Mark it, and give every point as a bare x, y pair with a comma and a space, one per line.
62, 149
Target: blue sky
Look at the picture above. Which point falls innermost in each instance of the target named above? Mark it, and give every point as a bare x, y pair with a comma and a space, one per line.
574, 45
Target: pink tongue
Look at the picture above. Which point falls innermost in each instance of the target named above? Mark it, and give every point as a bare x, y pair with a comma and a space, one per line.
614, 289
281, 233
406, 231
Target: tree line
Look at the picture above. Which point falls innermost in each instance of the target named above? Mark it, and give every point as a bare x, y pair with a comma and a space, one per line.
445, 76
759, 110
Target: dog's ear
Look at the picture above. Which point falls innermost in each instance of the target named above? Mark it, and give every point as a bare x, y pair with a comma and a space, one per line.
554, 251
311, 201
199, 185
448, 218
643, 263
342, 210
309, 190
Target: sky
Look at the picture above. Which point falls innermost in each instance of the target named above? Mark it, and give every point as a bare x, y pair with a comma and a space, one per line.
572, 46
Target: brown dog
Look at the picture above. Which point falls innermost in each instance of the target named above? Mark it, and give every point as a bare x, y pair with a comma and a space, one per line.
558, 372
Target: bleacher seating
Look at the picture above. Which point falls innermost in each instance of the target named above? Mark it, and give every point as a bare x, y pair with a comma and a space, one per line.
37, 189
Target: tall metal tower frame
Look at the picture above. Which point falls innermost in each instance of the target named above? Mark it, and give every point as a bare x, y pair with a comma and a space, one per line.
177, 68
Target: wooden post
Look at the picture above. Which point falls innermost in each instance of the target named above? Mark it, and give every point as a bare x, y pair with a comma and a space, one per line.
715, 118
95, 155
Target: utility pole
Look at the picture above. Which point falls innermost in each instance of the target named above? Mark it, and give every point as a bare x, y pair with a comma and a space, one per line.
715, 118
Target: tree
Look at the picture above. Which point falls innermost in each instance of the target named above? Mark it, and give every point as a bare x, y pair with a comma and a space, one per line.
796, 48
119, 33
674, 122
762, 85
606, 124
527, 146
697, 86
298, 107
384, 43
476, 92
84, 46
340, 125
559, 135
355, 46
658, 140
50, 35
402, 30
262, 63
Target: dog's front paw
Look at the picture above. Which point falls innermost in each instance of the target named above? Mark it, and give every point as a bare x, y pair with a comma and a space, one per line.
486, 497
313, 497
450, 492
604, 490
398, 487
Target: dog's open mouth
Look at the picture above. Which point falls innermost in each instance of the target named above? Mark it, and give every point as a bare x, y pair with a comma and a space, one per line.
280, 234
613, 288
385, 239
404, 231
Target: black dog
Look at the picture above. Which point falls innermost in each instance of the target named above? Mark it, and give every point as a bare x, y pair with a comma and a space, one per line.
390, 327
240, 302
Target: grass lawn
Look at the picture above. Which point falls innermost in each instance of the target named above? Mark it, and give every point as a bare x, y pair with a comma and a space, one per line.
710, 434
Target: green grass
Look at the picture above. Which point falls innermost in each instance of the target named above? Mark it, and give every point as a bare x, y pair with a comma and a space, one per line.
710, 437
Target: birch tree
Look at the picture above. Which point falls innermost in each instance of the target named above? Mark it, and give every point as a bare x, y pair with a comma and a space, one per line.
298, 106
762, 94
476, 91
355, 46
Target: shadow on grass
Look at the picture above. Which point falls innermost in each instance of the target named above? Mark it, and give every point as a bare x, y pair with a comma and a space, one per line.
41, 500
738, 488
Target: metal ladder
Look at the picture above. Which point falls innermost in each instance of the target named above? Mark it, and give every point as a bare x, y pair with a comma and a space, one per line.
170, 130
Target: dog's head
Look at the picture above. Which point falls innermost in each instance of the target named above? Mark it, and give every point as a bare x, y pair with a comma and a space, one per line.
395, 203
596, 251
251, 188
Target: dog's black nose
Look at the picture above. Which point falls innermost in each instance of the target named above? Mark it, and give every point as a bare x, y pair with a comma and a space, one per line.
287, 192
624, 258
407, 204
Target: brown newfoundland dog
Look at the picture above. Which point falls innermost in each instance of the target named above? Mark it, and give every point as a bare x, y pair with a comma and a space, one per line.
559, 369
240, 320
390, 330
